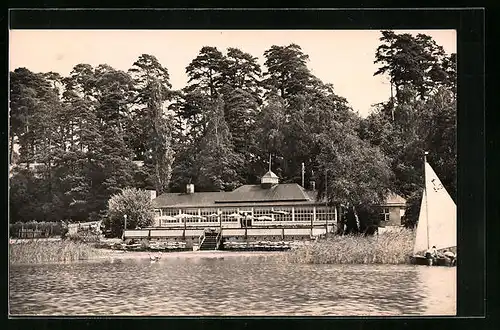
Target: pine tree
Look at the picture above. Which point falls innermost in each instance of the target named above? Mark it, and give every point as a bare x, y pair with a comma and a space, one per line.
153, 128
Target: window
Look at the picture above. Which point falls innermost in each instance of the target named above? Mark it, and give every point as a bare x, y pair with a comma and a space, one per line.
385, 214
303, 214
208, 214
226, 215
169, 212
193, 212
324, 213
285, 215
263, 212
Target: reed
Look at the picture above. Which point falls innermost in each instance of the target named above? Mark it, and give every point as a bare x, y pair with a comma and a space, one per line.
393, 247
41, 251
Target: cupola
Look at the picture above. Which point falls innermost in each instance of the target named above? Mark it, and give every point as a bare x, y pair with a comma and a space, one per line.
269, 179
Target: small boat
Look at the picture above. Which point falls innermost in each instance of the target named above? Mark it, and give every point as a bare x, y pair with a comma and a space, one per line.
437, 222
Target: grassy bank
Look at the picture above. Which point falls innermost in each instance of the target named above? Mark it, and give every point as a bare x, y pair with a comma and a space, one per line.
35, 252
387, 248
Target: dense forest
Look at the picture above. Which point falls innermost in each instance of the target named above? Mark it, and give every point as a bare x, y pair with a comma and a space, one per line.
88, 132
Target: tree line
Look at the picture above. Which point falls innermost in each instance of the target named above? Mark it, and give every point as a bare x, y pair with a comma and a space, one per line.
89, 132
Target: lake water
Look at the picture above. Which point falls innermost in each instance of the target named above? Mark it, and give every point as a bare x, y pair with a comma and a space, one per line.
232, 285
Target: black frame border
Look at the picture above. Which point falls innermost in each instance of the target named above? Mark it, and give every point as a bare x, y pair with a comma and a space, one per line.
469, 23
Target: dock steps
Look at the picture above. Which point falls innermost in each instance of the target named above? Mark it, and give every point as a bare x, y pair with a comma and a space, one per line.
209, 241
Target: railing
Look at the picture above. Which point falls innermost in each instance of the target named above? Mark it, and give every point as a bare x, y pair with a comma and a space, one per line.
201, 239
33, 233
218, 240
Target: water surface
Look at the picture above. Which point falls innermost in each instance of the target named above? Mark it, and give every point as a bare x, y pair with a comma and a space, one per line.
247, 285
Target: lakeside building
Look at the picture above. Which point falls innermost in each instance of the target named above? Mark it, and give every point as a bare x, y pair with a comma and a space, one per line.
269, 204
269, 211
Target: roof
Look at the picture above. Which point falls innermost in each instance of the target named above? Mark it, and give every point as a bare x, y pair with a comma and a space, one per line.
183, 199
249, 195
392, 199
255, 193
245, 195
395, 199
270, 174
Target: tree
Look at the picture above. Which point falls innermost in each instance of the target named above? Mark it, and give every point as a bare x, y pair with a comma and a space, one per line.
450, 68
269, 135
35, 111
151, 126
205, 72
405, 139
22, 198
240, 111
287, 71
217, 161
242, 72
22, 104
135, 204
416, 61
353, 173
101, 161
33, 108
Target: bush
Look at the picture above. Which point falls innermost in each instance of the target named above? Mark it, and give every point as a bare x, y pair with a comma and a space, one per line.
134, 203
85, 237
144, 244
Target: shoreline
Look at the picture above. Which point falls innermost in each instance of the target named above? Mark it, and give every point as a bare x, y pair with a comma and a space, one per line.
388, 248
212, 254
112, 255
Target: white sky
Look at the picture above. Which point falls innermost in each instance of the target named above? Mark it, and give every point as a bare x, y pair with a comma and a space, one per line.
341, 57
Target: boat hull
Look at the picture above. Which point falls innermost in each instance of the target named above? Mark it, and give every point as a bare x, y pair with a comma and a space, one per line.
420, 260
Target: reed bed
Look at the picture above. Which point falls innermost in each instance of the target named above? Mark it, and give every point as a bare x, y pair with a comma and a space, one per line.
40, 251
393, 247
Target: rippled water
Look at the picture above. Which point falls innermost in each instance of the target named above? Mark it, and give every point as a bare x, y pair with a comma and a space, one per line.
230, 286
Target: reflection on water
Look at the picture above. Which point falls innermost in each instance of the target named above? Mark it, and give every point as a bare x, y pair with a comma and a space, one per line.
230, 286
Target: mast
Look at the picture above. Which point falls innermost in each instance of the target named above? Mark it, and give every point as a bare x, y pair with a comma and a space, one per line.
326, 200
303, 170
426, 201
269, 162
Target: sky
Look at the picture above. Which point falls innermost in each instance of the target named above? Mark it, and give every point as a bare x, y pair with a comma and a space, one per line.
343, 58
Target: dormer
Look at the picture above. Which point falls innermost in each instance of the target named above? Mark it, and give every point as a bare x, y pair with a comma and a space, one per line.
268, 180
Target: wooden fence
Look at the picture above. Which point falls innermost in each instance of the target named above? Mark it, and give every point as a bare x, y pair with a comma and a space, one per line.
33, 233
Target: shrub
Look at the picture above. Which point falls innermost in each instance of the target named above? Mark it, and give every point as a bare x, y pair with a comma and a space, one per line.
85, 237
144, 244
134, 203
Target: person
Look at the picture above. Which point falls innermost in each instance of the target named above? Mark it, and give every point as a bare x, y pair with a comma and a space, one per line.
431, 254
450, 256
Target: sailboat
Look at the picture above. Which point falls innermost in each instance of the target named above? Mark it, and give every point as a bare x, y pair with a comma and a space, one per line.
437, 221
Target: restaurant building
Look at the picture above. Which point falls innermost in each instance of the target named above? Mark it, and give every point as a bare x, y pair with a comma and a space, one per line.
269, 203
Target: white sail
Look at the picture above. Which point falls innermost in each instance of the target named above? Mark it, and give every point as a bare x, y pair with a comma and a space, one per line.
442, 212
437, 223
421, 243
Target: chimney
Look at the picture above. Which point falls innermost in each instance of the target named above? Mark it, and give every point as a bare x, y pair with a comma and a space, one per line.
152, 194
313, 185
190, 188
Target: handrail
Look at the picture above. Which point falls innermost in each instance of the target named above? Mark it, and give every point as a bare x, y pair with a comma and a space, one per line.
218, 239
202, 238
